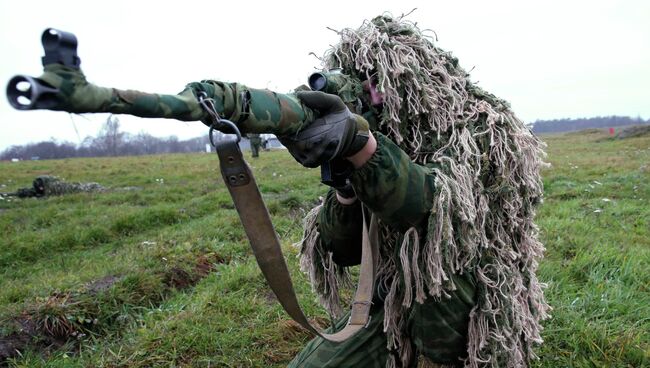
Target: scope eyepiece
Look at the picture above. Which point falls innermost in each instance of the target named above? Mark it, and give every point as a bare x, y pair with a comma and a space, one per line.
317, 81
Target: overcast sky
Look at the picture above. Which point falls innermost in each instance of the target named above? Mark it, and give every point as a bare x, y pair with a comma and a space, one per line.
550, 59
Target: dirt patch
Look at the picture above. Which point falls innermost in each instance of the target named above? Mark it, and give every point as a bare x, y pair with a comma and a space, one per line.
11, 345
206, 263
26, 334
179, 278
102, 284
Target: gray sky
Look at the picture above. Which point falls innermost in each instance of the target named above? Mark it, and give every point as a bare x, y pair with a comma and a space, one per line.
550, 59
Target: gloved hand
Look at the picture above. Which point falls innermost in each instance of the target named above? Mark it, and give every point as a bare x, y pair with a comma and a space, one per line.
336, 133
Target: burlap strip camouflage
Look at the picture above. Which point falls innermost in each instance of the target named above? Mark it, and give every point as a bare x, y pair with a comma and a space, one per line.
484, 164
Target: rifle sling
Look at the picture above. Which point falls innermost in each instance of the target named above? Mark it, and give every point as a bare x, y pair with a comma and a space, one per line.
268, 253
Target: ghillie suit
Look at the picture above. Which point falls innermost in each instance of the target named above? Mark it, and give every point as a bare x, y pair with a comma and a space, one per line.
486, 164
48, 185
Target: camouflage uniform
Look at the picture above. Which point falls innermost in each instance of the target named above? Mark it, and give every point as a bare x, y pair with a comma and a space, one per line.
400, 193
255, 142
47, 185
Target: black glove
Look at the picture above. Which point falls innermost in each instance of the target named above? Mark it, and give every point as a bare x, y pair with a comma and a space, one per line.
336, 133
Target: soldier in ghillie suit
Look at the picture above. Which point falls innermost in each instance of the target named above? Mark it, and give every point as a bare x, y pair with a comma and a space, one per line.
455, 183
256, 142
48, 185
449, 171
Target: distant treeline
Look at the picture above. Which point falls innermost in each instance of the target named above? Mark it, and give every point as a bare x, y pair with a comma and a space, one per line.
112, 142
568, 125
130, 145
109, 142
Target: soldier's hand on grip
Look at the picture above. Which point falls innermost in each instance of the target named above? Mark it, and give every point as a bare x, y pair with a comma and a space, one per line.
336, 133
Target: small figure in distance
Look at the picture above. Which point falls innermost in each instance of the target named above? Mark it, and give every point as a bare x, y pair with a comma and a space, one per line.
49, 185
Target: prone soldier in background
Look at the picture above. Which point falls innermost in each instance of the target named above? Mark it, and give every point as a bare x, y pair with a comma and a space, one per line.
48, 185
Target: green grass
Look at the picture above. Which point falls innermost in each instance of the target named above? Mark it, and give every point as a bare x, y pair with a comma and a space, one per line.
595, 224
159, 273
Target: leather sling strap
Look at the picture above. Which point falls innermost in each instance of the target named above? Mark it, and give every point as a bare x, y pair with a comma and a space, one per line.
267, 250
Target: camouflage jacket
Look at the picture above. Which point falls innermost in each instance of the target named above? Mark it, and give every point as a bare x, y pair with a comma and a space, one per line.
390, 185
401, 194
395, 189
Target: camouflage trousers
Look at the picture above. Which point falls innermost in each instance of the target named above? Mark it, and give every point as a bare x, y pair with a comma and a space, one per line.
255, 149
437, 329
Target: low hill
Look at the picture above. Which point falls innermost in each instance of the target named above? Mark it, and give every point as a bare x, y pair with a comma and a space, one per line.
569, 125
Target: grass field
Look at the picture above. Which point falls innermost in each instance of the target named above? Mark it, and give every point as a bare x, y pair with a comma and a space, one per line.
156, 272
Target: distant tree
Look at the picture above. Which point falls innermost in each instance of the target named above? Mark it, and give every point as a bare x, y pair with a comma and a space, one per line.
110, 137
145, 142
12, 152
196, 144
172, 144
